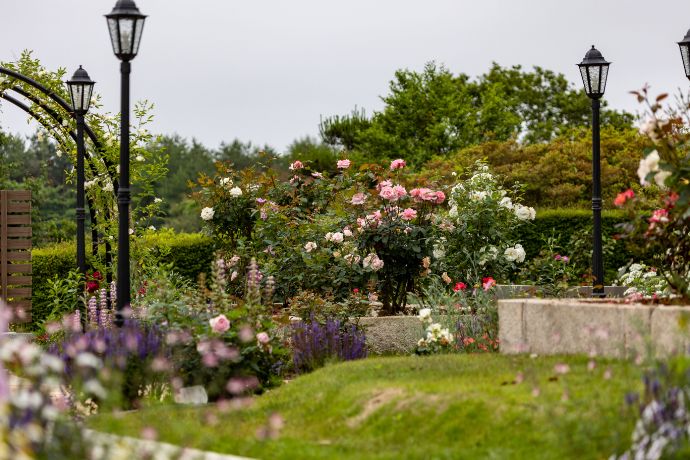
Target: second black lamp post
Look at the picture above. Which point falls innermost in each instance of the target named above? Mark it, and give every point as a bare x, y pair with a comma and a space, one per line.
125, 24
80, 90
594, 70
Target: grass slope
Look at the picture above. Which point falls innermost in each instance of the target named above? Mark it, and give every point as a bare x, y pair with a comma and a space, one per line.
441, 407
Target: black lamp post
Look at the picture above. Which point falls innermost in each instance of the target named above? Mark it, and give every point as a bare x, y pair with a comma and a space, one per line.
684, 45
594, 70
125, 24
80, 90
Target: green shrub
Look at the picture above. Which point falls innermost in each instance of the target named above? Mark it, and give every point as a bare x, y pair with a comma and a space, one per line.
568, 227
188, 254
47, 263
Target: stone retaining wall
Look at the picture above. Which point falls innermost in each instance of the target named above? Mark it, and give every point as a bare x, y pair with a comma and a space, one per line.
552, 326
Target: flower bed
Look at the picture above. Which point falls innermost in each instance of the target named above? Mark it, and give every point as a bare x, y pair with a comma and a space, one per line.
602, 327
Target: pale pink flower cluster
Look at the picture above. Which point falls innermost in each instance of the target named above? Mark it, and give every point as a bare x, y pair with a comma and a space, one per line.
372, 261
219, 324
392, 193
214, 351
372, 220
352, 259
343, 164
425, 194
408, 214
336, 237
358, 198
296, 165
310, 246
397, 164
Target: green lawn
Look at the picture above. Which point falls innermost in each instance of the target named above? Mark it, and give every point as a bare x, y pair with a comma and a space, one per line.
442, 407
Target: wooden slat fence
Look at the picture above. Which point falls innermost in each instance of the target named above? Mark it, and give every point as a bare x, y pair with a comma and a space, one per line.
15, 252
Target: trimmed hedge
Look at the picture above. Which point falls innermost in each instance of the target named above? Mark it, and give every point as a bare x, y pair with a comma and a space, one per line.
563, 223
46, 263
189, 253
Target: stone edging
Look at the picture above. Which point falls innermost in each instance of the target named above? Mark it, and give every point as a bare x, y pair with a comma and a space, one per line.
106, 446
572, 326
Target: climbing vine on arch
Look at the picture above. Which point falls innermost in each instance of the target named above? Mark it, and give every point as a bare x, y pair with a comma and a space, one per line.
147, 164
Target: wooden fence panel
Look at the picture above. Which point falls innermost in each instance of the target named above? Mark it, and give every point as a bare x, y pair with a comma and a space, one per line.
15, 252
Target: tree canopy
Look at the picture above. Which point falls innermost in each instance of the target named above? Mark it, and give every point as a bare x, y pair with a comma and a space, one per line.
434, 112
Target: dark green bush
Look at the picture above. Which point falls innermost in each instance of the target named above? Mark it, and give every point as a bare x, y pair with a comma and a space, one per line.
189, 254
566, 225
48, 262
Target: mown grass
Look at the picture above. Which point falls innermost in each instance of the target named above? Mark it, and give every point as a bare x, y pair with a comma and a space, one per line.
441, 407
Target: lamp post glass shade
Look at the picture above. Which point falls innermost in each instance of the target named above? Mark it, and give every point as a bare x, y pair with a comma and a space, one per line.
685, 53
125, 24
80, 90
594, 70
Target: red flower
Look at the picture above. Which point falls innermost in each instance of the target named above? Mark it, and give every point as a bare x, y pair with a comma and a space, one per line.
671, 200
467, 341
660, 215
97, 276
622, 197
91, 286
459, 287
355, 291
488, 283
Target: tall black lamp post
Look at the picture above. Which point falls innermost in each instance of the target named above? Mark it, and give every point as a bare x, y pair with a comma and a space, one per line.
80, 90
685, 53
125, 24
594, 70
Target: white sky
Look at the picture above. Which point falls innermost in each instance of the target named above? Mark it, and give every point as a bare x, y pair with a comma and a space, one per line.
265, 70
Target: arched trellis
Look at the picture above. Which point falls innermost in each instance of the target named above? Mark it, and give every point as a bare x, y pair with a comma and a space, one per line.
60, 130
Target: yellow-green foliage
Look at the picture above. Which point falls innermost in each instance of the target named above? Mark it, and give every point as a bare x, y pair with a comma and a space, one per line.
558, 173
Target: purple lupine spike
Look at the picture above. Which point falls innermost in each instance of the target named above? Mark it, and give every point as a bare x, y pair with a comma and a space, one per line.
313, 343
113, 293
92, 313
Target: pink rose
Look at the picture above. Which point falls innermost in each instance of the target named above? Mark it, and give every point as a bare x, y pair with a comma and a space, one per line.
359, 198
409, 214
388, 193
296, 165
397, 164
219, 324
385, 183
440, 197
400, 191
262, 338
428, 195
343, 164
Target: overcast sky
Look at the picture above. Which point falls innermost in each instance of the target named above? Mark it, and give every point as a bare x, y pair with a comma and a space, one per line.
266, 70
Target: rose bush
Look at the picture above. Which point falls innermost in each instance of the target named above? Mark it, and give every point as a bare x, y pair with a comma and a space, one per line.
475, 238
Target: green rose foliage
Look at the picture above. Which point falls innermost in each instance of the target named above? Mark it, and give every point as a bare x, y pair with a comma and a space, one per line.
478, 236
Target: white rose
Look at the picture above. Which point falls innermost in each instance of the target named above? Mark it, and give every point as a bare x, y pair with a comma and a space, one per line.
207, 213
337, 237
506, 202
648, 164
158, 200
425, 314
310, 246
235, 191
523, 212
225, 182
660, 178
